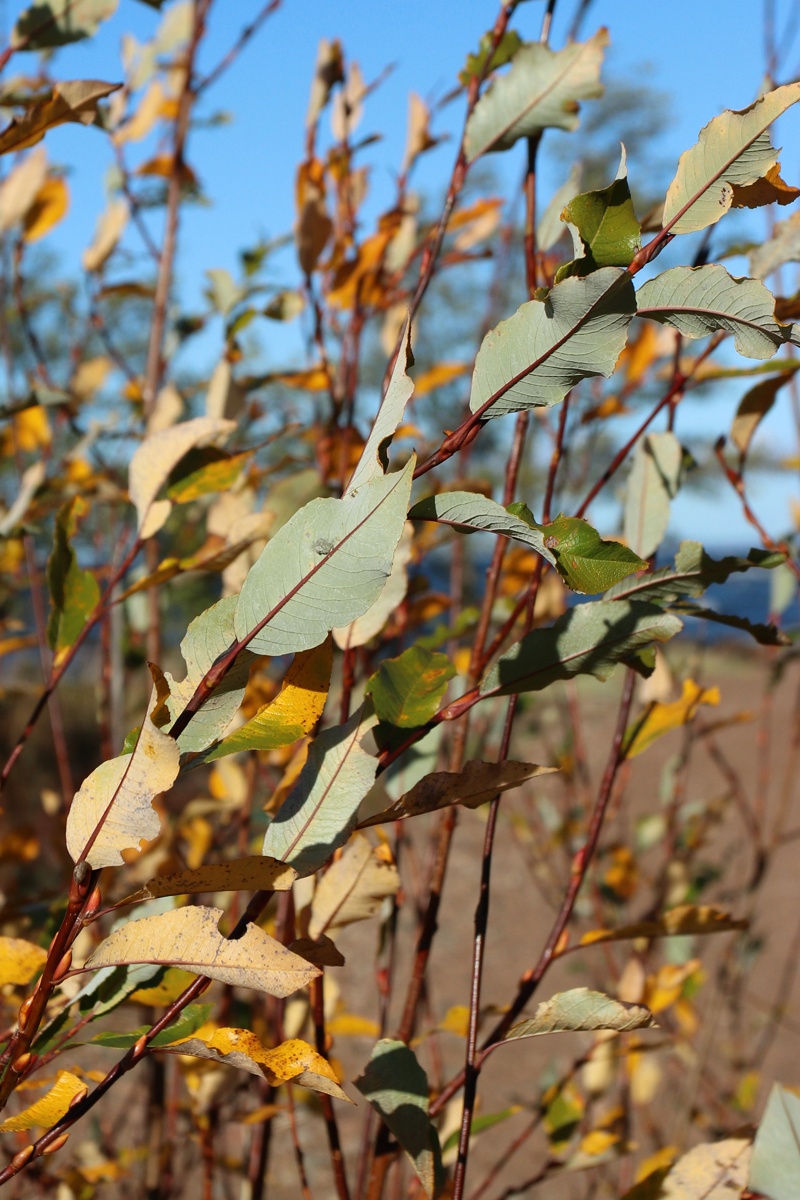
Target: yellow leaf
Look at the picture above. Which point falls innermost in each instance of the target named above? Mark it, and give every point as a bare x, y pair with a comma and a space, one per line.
598, 1141
109, 230
662, 718
24, 640
769, 189
352, 889
438, 376
50, 1108
49, 206
189, 937
683, 920
611, 406
295, 710
746, 1094
12, 556
357, 278
346, 1024
662, 1159
293, 1060
70, 100
32, 428
622, 876
666, 986
315, 379
19, 960
253, 874
90, 375
161, 994
456, 1020
265, 1113
484, 219
639, 354
149, 110
198, 835
113, 810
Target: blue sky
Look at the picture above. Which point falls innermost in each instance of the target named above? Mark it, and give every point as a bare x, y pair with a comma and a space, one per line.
706, 56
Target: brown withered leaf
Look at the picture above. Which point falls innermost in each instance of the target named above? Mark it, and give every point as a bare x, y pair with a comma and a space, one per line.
73, 100
476, 784
254, 873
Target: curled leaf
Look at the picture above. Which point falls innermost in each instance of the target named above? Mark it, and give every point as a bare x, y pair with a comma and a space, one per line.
581, 1009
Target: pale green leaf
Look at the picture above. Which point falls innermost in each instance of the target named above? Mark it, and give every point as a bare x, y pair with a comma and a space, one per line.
535, 357
189, 938
654, 480
692, 573
59, 22
775, 1164
581, 1009
209, 635
366, 627
782, 247
113, 810
477, 783
397, 1088
588, 640
700, 300
325, 567
319, 814
733, 149
541, 90
374, 456
551, 227
469, 511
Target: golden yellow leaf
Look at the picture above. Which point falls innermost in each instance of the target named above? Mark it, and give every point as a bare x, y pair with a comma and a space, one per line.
19, 960
49, 206
294, 712
161, 994
346, 1024
23, 641
769, 189
50, 1108
666, 986
315, 379
662, 718
455, 1020
12, 556
683, 920
662, 1158
611, 406
484, 222
32, 428
293, 1060
109, 230
438, 376
356, 279
598, 1141
640, 353
622, 876
70, 100
197, 834
264, 1113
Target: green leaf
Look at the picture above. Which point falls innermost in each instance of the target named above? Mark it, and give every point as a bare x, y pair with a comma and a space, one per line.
540, 91
693, 572
407, 690
653, 482
319, 814
488, 1121
588, 640
397, 1088
475, 65
534, 358
606, 225
184, 1026
374, 457
477, 783
782, 247
584, 561
775, 1165
469, 511
325, 567
733, 149
59, 22
700, 300
74, 593
208, 636
580, 1009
